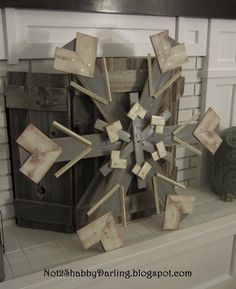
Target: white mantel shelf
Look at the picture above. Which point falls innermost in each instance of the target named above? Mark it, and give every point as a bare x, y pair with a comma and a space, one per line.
205, 245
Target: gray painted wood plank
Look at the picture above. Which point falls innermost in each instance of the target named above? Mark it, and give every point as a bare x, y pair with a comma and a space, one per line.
137, 139
101, 146
186, 135
47, 98
125, 152
113, 111
127, 80
123, 135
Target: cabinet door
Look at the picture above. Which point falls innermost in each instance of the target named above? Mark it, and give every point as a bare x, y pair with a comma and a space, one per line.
40, 99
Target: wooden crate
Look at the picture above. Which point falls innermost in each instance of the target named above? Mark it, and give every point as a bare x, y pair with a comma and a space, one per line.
41, 99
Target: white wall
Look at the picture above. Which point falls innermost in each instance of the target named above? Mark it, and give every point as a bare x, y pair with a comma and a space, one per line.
34, 34
220, 71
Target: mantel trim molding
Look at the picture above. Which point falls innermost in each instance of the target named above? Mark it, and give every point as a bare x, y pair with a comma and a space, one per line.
184, 8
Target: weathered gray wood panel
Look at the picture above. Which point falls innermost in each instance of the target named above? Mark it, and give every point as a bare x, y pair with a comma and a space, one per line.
50, 190
40, 98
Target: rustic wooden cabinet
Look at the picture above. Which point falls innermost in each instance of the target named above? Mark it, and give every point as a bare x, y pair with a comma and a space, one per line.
40, 99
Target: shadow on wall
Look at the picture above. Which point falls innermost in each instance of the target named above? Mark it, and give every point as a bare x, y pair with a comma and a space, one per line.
113, 45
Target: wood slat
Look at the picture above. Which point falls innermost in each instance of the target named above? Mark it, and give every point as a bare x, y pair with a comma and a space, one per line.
44, 153
101, 201
137, 139
101, 230
46, 99
43, 212
82, 60
205, 131
127, 80
86, 48
175, 207
169, 54
50, 190
111, 112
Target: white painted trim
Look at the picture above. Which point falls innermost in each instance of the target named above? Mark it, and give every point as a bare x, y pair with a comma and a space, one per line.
222, 47
153, 251
10, 36
33, 34
219, 77
218, 73
193, 33
2, 42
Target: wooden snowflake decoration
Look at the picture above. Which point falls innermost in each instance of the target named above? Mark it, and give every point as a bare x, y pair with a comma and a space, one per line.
134, 141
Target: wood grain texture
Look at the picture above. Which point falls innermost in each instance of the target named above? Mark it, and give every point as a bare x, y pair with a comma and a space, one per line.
67, 61
122, 134
86, 48
121, 176
101, 230
205, 131
113, 110
136, 111
82, 154
46, 98
136, 169
99, 186
186, 145
89, 93
107, 81
184, 124
102, 200
101, 146
116, 161
137, 133
43, 150
150, 76
160, 176
169, 56
112, 131
72, 162
160, 152
82, 60
127, 80
166, 85
43, 212
175, 207
123, 206
50, 190
71, 133
145, 169
156, 196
